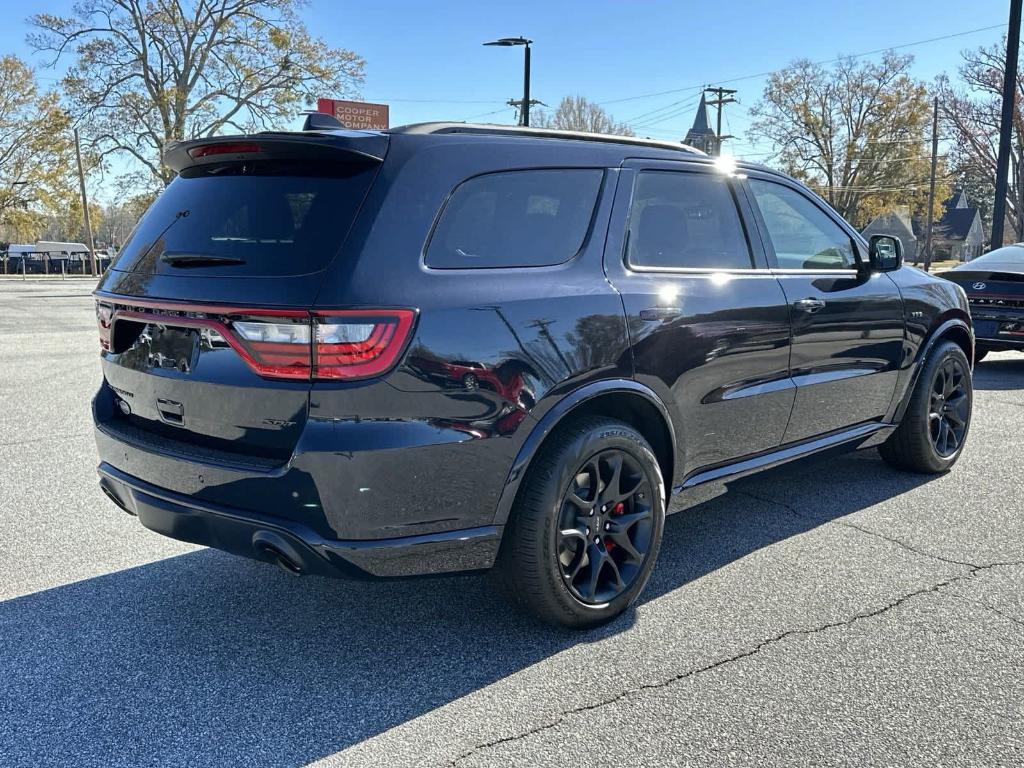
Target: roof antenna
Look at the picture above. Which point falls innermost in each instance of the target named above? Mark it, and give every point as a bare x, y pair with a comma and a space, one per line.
321, 121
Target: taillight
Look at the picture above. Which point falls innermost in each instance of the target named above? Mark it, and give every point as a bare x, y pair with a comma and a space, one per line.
277, 347
104, 315
359, 344
285, 343
222, 148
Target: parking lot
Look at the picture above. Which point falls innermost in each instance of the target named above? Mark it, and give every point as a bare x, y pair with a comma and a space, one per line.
836, 612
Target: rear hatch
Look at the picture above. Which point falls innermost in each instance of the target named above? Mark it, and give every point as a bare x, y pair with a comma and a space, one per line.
205, 318
997, 301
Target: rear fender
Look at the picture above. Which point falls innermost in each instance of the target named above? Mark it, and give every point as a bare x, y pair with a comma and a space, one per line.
555, 416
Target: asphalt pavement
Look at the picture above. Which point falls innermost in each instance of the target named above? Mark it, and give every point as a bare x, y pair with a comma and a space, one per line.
833, 613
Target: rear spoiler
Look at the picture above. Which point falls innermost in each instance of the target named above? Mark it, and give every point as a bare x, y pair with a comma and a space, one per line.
359, 146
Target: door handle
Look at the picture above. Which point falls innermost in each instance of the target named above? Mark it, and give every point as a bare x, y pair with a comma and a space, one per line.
661, 313
809, 305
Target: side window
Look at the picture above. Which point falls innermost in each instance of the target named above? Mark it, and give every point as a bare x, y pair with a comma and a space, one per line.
682, 219
803, 236
515, 219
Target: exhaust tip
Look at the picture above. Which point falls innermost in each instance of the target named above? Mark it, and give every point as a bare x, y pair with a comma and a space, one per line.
283, 562
115, 498
273, 548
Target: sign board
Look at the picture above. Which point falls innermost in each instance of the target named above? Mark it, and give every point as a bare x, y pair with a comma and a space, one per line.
358, 115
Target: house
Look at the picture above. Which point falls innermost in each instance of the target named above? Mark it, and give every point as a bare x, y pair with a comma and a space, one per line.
701, 135
896, 223
957, 235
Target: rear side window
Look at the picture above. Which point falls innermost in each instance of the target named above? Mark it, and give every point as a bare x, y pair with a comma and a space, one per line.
259, 219
685, 220
515, 219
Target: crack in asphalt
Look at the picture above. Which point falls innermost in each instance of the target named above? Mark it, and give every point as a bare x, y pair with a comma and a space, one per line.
993, 609
877, 534
564, 715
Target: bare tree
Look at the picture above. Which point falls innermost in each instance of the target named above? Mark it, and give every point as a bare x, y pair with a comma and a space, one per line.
970, 113
575, 113
856, 133
146, 72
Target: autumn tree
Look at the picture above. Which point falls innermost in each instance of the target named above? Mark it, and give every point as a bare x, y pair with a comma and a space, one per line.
36, 152
143, 73
857, 133
575, 113
969, 112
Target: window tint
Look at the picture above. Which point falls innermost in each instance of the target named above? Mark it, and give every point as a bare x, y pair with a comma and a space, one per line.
273, 218
515, 219
685, 220
803, 236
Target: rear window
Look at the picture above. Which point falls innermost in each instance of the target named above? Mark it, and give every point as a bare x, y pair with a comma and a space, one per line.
258, 219
515, 219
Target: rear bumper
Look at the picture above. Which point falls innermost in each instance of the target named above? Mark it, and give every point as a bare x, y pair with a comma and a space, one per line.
998, 331
270, 539
1000, 344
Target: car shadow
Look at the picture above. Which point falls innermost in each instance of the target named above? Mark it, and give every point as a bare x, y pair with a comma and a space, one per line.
207, 659
1000, 374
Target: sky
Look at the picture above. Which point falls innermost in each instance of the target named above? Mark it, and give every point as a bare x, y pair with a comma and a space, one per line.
425, 59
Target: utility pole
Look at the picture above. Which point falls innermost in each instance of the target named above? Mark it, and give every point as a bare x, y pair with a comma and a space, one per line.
85, 203
720, 101
931, 188
1006, 124
518, 105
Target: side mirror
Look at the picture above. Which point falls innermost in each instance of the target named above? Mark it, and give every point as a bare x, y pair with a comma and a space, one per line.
885, 253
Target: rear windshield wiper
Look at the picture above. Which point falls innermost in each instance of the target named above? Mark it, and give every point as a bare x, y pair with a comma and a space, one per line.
198, 259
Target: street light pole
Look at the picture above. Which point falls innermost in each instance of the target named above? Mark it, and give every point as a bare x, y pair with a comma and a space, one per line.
524, 106
525, 111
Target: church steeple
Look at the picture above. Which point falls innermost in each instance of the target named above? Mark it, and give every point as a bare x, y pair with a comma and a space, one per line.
701, 134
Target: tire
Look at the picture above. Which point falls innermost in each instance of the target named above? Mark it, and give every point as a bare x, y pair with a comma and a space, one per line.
979, 355
570, 489
917, 444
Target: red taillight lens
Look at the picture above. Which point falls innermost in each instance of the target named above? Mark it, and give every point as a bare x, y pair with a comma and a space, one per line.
285, 343
359, 344
275, 347
104, 316
231, 148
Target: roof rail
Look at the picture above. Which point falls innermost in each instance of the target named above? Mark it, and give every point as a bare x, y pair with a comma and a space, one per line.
540, 133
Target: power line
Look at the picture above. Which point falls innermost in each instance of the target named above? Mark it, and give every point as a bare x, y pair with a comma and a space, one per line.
652, 112
488, 114
681, 110
432, 101
816, 63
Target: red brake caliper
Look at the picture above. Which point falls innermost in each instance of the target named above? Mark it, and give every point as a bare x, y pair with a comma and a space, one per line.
617, 510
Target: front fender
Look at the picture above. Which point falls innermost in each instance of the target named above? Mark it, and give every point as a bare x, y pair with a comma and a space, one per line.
943, 330
556, 415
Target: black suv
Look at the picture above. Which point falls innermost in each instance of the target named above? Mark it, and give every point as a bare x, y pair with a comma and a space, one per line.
448, 347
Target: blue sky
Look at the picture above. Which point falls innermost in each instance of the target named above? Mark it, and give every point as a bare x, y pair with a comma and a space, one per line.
427, 61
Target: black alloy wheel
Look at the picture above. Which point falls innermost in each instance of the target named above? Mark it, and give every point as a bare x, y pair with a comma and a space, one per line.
605, 527
931, 434
950, 408
583, 535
